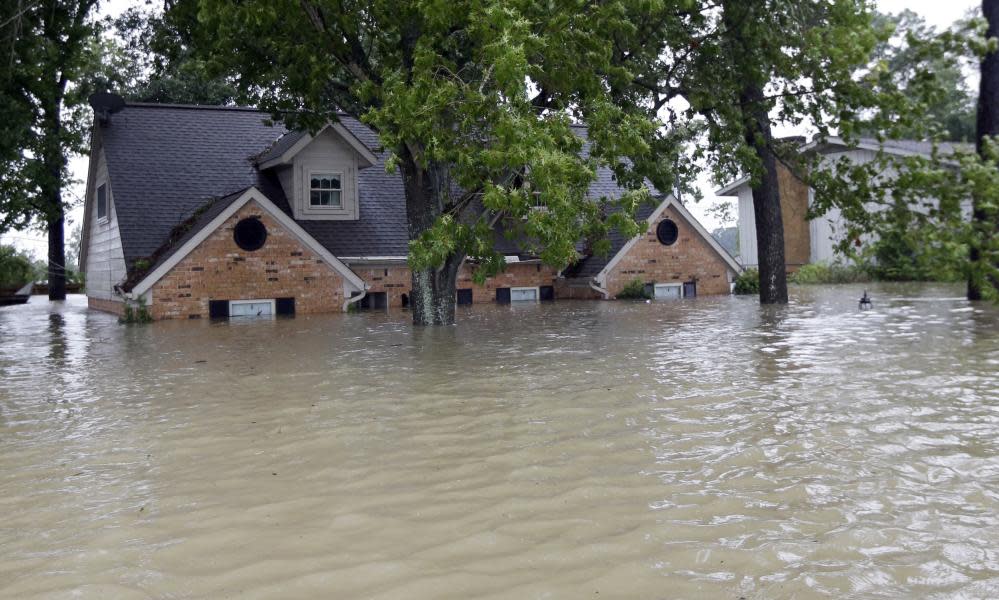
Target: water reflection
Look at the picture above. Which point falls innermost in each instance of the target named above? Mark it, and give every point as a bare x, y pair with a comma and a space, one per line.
706, 448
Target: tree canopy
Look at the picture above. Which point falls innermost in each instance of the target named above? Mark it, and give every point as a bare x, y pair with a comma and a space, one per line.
475, 100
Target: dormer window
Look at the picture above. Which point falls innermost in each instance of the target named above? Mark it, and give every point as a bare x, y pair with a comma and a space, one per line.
326, 190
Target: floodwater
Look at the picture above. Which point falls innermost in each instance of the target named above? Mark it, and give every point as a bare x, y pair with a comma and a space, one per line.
700, 449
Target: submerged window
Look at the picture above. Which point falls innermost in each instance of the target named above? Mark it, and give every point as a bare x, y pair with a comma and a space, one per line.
251, 308
524, 294
668, 291
667, 232
250, 234
326, 190
102, 201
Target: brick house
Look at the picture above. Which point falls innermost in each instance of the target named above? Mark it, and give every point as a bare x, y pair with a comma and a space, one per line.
213, 212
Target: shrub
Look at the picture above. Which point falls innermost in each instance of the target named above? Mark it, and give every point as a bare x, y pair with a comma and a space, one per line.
136, 312
634, 290
16, 268
824, 273
748, 282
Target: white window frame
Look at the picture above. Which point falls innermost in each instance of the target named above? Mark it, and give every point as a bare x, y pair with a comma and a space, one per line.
270, 301
537, 293
309, 189
656, 286
107, 203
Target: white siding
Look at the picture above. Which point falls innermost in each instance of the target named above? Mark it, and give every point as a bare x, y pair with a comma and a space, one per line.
105, 260
826, 231
747, 229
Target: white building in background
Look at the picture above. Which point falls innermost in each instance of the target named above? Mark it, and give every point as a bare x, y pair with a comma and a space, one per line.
813, 241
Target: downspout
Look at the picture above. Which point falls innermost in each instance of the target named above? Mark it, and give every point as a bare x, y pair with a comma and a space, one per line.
353, 299
595, 286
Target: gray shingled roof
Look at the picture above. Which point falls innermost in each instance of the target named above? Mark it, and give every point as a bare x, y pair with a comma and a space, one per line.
166, 162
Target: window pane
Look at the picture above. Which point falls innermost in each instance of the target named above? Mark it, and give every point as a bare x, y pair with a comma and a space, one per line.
671, 292
334, 197
325, 181
102, 201
251, 309
523, 295
314, 198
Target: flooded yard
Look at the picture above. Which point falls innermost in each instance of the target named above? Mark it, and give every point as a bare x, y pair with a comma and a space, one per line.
699, 449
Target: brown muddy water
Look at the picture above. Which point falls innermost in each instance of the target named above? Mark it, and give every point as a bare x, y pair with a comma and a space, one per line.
701, 449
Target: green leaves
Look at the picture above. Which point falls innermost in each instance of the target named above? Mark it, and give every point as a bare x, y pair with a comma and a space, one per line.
475, 101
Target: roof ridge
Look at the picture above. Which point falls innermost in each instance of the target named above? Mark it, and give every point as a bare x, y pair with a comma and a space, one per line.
131, 104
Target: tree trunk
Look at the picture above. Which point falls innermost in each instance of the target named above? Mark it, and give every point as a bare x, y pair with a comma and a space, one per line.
434, 292
766, 200
753, 73
987, 125
57, 257
51, 192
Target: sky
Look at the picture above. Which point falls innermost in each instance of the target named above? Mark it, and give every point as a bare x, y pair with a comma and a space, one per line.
936, 12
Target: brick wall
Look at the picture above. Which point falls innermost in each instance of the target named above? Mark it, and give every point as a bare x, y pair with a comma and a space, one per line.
515, 275
393, 280
691, 258
111, 306
219, 270
794, 214
396, 281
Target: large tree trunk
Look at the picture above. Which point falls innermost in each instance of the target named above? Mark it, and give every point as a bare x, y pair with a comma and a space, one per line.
987, 125
434, 292
766, 200
51, 191
754, 73
57, 257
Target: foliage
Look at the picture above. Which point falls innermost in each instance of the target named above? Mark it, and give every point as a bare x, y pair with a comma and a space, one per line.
909, 57
907, 250
46, 46
634, 290
918, 205
747, 283
151, 58
474, 99
724, 211
16, 268
920, 213
136, 312
50, 50
816, 273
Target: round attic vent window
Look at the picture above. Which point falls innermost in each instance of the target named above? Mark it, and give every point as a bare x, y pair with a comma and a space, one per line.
250, 234
667, 232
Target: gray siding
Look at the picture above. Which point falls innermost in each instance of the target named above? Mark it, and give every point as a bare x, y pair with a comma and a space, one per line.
105, 260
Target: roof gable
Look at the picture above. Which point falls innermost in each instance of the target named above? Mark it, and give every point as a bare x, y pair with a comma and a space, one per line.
289, 145
217, 214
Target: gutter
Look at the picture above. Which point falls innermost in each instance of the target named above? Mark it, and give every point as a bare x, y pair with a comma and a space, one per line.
595, 286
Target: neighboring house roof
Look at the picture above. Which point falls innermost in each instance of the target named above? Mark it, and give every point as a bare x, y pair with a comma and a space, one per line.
837, 144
